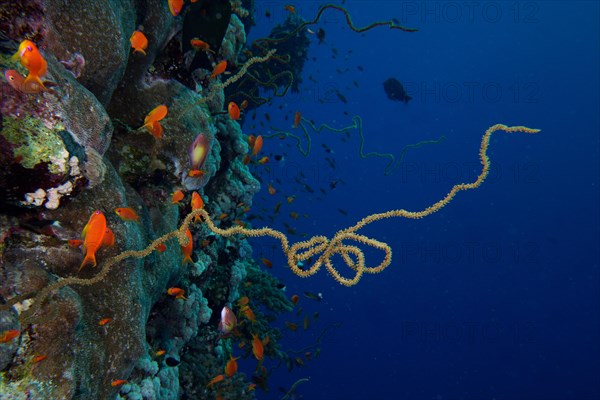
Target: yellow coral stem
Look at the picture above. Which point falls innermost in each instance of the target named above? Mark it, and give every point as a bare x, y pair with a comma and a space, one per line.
343, 242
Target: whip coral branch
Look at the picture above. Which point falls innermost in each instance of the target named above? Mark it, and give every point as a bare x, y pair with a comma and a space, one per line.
318, 246
390, 167
349, 22
219, 86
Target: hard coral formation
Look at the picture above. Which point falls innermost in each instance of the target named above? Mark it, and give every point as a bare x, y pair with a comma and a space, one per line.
104, 51
53, 147
38, 168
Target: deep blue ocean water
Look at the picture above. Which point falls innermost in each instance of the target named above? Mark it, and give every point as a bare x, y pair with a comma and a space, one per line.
497, 295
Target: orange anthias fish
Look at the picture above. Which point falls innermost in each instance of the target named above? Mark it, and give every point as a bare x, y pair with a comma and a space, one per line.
216, 379
200, 45
257, 347
104, 321
291, 326
290, 8
251, 140
139, 42
242, 301
263, 160
271, 189
95, 235
9, 335
127, 214
297, 119
258, 143
151, 121
31, 58
38, 358
20, 83
75, 243
177, 292
231, 367
177, 197
175, 7
295, 299
196, 173
267, 262
197, 203
188, 248
248, 313
234, 111
157, 114
118, 382
228, 321
155, 129
161, 247
219, 69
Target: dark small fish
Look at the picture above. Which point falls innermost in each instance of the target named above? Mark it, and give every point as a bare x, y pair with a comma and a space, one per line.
267, 117
321, 35
280, 286
278, 157
395, 91
313, 296
261, 382
342, 211
361, 69
172, 361
331, 162
268, 14
342, 98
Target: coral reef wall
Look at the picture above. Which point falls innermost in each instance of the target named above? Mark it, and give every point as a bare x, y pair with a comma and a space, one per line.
76, 148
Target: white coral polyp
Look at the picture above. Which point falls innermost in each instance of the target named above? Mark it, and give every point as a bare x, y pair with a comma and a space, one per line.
36, 198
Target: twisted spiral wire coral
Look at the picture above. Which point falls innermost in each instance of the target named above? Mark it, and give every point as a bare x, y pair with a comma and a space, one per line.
318, 246
220, 86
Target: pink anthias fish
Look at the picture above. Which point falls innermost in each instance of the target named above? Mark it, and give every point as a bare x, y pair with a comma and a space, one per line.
19, 83
199, 151
228, 321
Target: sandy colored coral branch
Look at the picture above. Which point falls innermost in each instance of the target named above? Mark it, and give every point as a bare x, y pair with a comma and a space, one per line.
219, 86
344, 243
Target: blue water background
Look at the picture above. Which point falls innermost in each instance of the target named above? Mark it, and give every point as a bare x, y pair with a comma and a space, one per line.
497, 295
